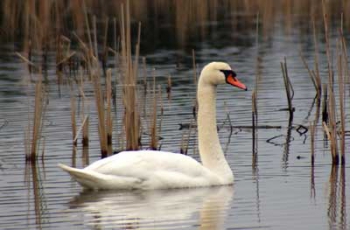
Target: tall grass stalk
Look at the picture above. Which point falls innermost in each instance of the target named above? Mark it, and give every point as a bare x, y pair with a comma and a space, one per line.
341, 71
254, 123
331, 128
73, 116
37, 119
153, 126
109, 118
101, 111
85, 124
129, 79
288, 87
312, 142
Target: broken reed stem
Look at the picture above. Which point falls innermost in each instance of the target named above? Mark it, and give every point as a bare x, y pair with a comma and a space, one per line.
312, 140
86, 119
325, 104
72, 115
332, 126
316, 73
168, 87
312, 75
109, 119
341, 71
154, 139
38, 116
132, 125
87, 26
101, 113
104, 57
194, 67
85, 126
288, 87
254, 122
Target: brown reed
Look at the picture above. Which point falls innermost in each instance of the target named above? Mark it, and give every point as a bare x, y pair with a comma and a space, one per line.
100, 111
312, 142
288, 87
132, 125
254, 123
85, 124
109, 118
73, 116
37, 120
341, 62
153, 126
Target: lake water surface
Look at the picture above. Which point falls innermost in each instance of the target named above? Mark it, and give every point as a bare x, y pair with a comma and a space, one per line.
280, 191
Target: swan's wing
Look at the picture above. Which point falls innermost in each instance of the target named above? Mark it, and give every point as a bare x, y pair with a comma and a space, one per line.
144, 170
143, 163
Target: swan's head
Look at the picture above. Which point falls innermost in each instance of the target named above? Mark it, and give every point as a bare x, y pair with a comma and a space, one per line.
218, 73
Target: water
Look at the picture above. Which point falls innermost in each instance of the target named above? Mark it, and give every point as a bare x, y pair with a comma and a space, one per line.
282, 191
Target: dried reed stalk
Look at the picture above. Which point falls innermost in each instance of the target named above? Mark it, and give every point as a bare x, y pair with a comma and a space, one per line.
161, 109
168, 87
101, 114
254, 123
129, 79
38, 117
325, 103
288, 87
86, 119
313, 76
312, 140
153, 126
331, 129
109, 119
73, 115
255, 95
341, 71
316, 72
85, 124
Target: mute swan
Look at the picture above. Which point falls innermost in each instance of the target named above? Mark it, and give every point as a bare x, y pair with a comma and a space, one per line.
148, 169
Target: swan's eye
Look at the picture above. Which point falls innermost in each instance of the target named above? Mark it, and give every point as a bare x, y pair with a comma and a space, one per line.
229, 73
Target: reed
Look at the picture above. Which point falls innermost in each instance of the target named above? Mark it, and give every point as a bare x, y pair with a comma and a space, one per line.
39, 109
254, 123
132, 124
109, 118
254, 94
341, 63
330, 129
168, 87
73, 116
101, 114
85, 124
312, 142
288, 87
325, 103
153, 126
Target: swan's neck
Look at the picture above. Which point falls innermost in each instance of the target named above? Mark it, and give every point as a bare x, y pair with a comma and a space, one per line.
210, 149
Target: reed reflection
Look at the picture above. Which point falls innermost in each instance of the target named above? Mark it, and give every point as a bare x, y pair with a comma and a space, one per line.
33, 181
336, 211
205, 207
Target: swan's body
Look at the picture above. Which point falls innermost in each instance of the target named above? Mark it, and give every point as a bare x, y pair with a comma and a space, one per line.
159, 170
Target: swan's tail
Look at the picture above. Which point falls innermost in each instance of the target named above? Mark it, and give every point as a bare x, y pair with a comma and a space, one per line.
94, 180
87, 179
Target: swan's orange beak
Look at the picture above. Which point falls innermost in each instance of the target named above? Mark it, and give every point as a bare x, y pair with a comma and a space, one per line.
232, 80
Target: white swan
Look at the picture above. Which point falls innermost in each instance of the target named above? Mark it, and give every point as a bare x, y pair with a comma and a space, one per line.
147, 169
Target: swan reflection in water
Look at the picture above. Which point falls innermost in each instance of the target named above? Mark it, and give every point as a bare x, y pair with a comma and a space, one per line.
198, 208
